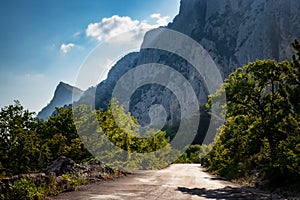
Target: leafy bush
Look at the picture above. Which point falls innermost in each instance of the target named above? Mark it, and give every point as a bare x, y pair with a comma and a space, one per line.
71, 182
25, 189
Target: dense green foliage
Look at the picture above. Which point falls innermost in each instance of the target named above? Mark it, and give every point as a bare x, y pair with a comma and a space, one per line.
261, 131
29, 189
29, 144
118, 140
191, 155
21, 148
26, 189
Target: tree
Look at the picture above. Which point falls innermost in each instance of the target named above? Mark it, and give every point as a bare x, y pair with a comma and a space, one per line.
19, 145
262, 121
60, 134
113, 137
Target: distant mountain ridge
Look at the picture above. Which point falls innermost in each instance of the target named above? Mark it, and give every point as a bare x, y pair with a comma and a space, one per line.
63, 95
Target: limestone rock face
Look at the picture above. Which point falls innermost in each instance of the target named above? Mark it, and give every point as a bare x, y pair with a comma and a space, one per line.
104, 90
236, 32
233, 32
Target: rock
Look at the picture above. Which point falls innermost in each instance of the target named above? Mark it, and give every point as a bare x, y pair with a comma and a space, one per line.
63, 165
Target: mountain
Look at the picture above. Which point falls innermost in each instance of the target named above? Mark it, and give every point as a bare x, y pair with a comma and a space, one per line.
63, 95
234, 32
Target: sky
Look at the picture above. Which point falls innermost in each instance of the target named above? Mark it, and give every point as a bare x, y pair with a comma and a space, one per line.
43, 42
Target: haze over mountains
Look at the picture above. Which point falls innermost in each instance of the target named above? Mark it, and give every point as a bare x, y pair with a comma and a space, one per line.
234, 32
63, 95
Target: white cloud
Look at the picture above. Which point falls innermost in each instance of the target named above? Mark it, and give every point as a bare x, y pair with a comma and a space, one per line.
160, 21
65, 48
117, 26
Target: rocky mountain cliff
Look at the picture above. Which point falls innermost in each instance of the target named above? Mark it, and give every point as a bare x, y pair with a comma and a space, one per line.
236, 32
233, 32
63, 95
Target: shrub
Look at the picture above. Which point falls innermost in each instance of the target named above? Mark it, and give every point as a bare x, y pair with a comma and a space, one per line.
25, 189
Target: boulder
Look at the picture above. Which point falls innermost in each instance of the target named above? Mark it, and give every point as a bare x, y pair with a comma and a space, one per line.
63, 165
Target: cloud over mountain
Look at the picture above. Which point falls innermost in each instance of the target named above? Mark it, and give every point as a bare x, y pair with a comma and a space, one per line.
116, 26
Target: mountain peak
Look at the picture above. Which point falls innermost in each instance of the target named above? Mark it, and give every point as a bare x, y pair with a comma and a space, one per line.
64, 94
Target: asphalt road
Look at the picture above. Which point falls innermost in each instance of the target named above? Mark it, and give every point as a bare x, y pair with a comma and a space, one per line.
179, 181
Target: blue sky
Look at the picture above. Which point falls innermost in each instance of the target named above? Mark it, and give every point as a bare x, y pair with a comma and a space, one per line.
44, 42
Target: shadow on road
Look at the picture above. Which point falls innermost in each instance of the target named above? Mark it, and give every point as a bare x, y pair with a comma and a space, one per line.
216, 178
225, 193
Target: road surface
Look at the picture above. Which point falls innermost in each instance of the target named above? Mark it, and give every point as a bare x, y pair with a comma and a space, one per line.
179, 181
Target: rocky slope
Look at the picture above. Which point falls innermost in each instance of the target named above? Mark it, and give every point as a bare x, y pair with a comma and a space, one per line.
63, 95
234, 32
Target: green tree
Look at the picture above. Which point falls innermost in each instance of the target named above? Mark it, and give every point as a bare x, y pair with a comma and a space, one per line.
19, 145
60, 134
113, 136
262, 121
